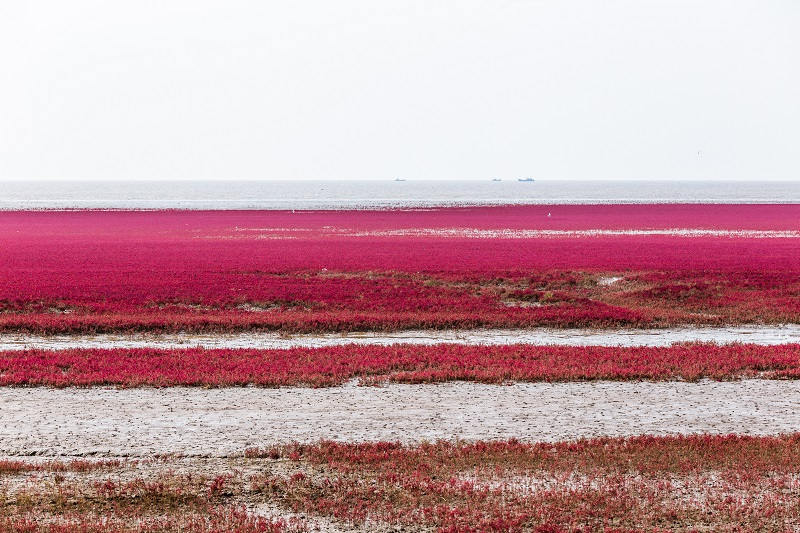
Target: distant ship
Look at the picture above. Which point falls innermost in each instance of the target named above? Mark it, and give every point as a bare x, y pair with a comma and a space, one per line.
399, 179
496, 179
525, 179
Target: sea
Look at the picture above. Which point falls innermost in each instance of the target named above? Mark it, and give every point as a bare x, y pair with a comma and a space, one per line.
370, 194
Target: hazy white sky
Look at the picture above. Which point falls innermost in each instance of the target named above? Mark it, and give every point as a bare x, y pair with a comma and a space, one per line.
421, 89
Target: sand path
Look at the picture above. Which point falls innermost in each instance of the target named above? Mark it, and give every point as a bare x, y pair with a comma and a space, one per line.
571, 337
220, 422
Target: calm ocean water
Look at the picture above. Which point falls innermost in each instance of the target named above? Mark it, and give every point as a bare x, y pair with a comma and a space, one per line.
376, 194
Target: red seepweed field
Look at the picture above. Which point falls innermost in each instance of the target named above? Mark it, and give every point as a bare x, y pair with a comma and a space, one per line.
331, 366
313, 271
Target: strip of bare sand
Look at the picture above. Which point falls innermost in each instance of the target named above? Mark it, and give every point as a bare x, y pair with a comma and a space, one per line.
755, 334
223, 422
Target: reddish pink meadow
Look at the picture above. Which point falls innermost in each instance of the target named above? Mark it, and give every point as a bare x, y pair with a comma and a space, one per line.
320, 367
93, 271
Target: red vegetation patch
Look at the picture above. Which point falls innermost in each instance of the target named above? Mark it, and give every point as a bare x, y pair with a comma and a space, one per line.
719, 483
211, 520
168, 503
13, 466
329, 366
93, 271
693, 483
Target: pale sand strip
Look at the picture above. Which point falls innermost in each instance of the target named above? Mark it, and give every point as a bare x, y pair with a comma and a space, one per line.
220, 422
502, 233
568, 337
507, 233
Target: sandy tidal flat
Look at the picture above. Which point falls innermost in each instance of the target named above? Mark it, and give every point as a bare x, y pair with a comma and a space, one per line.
755, 334
223, 422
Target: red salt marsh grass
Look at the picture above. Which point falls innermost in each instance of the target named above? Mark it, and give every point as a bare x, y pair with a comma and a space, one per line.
722, 483
204, 520
689, 483
72, 502
99, 271
330, 366
352, 301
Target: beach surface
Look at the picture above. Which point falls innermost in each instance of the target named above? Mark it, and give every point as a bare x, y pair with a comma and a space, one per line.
226, 421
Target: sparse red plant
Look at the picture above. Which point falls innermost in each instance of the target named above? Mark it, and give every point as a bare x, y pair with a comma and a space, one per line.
75, 465
214, 520
720, 483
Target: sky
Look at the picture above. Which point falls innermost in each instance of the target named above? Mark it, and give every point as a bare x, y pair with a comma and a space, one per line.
373, 89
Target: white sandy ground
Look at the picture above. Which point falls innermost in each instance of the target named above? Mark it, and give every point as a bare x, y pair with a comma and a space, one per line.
543, 233
568, 337
224, 422
506, 233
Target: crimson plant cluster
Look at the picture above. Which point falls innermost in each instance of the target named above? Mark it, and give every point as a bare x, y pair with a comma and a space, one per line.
122, 271
330, 366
